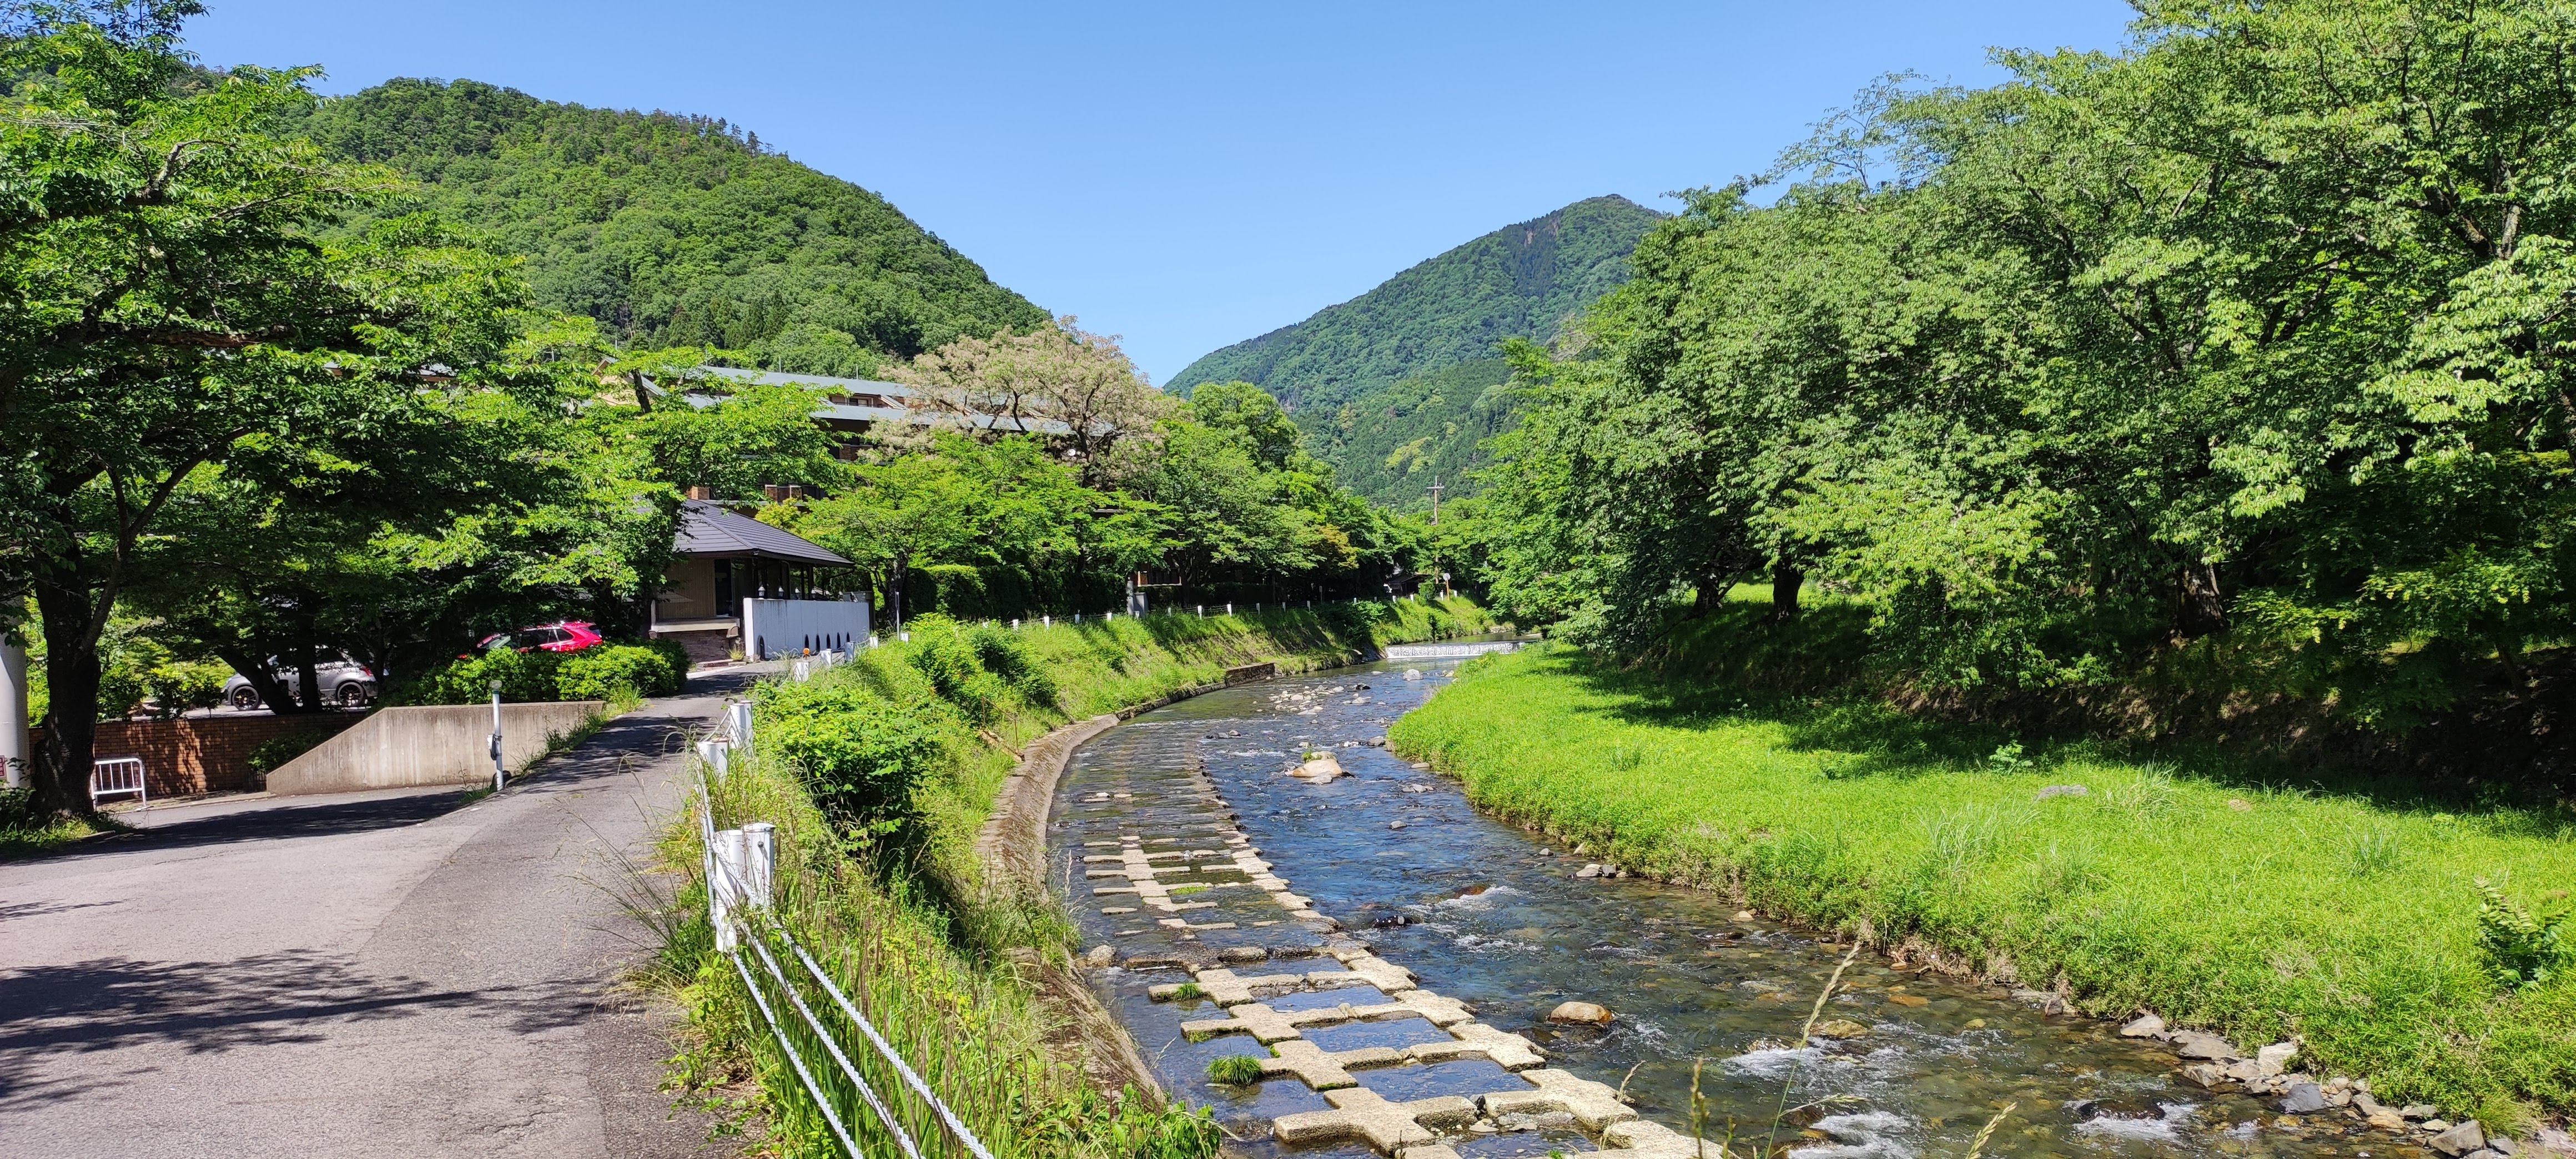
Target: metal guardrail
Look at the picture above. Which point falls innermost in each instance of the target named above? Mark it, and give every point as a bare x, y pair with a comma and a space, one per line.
111, 776
740, 866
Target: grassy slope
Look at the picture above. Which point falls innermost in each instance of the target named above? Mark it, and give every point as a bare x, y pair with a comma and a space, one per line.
931, 961
2261, 912
1104, 667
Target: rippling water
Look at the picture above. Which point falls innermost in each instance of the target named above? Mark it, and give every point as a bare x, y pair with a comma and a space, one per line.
1493, 917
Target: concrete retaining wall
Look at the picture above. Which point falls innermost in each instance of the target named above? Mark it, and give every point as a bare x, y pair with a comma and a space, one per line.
439, 744
203, 754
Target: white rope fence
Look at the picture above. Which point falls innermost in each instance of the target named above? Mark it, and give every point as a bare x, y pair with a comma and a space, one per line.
740, 867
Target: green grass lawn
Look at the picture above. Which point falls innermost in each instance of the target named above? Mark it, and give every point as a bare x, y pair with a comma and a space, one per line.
2261, 911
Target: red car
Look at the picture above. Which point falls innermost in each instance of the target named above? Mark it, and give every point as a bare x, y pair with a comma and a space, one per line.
562, 636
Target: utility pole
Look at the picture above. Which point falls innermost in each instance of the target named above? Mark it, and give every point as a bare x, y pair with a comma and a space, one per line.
17, 749
1436, 489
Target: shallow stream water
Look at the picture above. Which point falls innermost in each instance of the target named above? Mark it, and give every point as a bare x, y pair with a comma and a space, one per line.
1494, 917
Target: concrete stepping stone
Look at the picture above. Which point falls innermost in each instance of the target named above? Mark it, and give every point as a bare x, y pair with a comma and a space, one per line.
1325, 1070
1379, 972
1641, 1139
1592, 1104
1264, 1024
1225, 988
1442, 1011
1365, 1113
1503, 1049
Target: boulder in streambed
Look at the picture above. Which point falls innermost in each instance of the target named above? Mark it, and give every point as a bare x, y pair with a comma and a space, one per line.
1590, 871
2196, 1044
1319, 768
1587, 1013
2148, 1025
2460, 1140
1840, 1028
2304, 1099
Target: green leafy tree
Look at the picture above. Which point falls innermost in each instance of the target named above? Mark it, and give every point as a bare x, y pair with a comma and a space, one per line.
169, 309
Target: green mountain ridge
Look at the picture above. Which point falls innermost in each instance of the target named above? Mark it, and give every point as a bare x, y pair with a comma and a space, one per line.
672, 229
1396, 387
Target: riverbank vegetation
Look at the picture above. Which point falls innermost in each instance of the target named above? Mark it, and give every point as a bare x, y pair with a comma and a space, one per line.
879, 773
2189, 423
2232, 365
2218, 890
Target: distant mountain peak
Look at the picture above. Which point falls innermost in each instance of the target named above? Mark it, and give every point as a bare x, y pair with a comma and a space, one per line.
1435, 331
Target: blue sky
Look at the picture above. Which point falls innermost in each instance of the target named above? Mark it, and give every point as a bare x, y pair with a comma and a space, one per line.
1191, 175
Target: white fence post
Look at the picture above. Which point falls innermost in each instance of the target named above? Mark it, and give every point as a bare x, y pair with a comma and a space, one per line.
722, 884
738, 722
760, 862
718, 756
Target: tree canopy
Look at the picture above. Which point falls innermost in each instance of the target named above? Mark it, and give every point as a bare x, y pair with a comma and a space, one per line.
2252, 334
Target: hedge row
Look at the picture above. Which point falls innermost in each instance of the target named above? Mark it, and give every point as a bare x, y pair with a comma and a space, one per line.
599, 672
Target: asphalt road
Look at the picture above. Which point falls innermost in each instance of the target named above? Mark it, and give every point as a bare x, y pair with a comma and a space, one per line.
369, 974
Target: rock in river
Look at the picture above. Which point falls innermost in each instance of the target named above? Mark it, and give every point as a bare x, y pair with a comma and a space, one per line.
1840, 1028
2304, 1099
1319, 770
2460, 1140
1584, 1012
2149, 1025
2194, 1044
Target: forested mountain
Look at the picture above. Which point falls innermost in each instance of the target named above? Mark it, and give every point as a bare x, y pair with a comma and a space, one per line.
675, 230
1360, 376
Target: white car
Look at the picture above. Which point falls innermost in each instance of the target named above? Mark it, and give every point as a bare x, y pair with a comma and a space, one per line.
345, 682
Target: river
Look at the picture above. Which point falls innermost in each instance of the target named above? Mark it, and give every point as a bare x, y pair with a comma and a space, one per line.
1494, 917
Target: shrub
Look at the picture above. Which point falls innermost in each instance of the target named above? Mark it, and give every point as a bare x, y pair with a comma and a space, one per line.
2521, 947
273, 754
614, 671
599, 672
860, 753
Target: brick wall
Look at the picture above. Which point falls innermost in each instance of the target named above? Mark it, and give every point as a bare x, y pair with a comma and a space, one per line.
204, 754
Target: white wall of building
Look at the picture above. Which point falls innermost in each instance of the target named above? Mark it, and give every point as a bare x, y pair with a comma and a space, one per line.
785, 627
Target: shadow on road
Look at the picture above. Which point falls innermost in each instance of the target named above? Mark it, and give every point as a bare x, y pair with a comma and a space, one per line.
202, 1007
320, 819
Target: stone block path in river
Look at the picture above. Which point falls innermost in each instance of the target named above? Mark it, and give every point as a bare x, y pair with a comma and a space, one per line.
1161, 857
1388, 958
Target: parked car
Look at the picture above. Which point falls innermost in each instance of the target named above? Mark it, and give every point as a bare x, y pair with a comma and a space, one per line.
345, 682
561, 636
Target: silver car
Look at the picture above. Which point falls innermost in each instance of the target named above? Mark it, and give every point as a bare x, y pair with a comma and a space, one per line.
345, 682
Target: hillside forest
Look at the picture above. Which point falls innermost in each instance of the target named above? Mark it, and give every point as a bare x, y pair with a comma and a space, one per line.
297, 378
1394, 388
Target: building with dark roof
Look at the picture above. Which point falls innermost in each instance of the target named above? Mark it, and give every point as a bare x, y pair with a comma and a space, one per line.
742, 589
